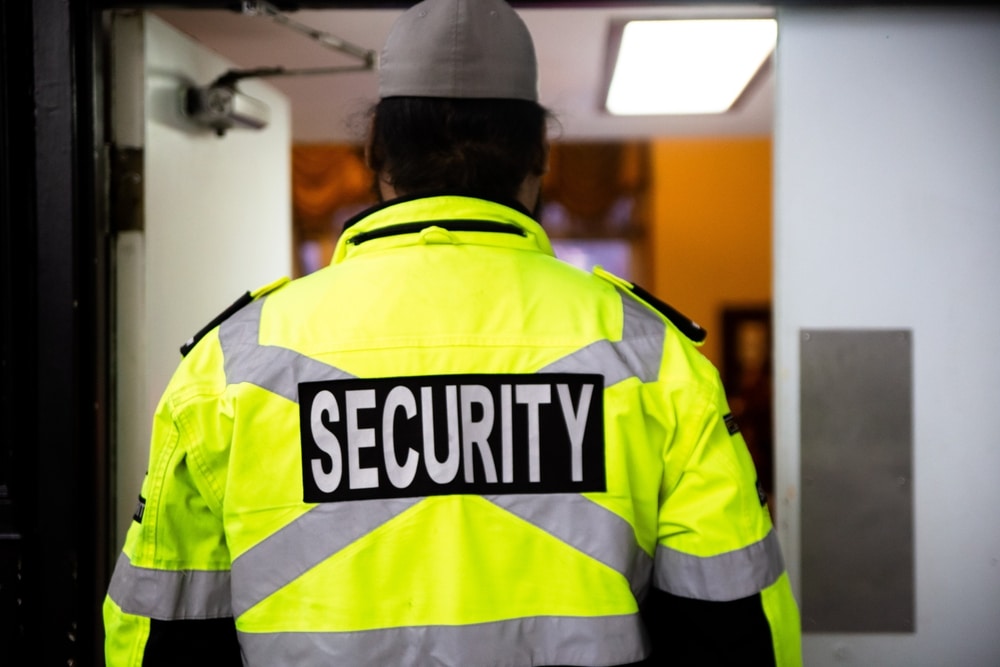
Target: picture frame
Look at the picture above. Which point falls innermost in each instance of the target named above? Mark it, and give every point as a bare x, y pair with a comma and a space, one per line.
747, 375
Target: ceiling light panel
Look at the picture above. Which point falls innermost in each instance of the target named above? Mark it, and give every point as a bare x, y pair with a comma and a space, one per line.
687, 66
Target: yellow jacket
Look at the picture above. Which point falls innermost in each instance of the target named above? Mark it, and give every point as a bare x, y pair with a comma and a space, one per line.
446, 448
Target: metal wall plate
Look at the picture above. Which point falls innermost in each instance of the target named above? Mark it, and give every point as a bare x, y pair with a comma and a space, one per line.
857, 480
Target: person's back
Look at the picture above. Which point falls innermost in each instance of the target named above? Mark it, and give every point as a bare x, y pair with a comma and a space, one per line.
469, 400
449, 447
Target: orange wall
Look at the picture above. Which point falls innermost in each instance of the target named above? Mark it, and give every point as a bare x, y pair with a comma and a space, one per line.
711, 232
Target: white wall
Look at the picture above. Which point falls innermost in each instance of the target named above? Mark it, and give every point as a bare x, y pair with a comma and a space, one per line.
217, 223
887, 215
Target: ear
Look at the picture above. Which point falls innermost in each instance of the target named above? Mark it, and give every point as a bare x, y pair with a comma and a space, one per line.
381, 187
368, 148
385, 189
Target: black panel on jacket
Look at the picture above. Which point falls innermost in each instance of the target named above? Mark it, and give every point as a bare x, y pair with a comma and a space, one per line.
685, 324
697, 632
449, 225
219, 319
198, 642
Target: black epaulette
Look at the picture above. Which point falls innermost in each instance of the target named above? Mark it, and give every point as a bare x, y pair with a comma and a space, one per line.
216, 321
686, 325
691, 329
239, 304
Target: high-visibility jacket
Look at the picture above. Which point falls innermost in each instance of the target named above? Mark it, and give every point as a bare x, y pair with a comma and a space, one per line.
446, 448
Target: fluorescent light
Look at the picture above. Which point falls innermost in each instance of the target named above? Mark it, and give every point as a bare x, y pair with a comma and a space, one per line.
687, 67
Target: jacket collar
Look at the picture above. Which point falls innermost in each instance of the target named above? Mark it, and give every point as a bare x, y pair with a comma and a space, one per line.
371, 210
460, 218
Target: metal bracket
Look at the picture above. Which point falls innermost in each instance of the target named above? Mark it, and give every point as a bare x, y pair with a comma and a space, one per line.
221, 106
260, 8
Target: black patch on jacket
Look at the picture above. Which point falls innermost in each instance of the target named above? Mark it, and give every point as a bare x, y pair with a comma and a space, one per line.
448, 225
686, 325
140, 509
209, 641
761, 494
731, 424
420, 436
692, 633
219, 319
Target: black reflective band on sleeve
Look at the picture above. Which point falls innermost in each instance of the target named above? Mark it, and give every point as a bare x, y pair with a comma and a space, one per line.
192, 642
449, 225
689, 632
687, 327
219, 319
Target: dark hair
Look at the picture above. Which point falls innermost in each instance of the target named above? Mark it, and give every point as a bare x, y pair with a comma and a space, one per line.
483, 147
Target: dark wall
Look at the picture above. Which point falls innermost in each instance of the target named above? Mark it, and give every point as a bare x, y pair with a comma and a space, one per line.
16, 149
53, 483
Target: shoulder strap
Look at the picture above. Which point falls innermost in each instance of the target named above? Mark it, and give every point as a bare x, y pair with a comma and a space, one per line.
235, 307
691, 329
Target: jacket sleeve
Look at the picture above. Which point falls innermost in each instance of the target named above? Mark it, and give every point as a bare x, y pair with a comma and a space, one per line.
720, 586
168, 602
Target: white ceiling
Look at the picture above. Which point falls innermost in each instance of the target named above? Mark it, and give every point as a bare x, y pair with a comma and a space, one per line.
571, 45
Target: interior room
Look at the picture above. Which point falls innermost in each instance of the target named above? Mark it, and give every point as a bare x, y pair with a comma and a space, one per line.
678, 202
834, 227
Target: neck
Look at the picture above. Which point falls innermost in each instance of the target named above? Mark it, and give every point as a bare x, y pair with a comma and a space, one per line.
528, 195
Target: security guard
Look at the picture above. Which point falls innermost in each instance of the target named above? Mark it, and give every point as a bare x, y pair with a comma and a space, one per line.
448, 447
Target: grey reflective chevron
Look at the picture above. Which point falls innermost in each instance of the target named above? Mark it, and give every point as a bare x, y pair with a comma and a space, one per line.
280, 370
304, 543
326, 529
599, 533
638, 353
276, 369
170, 596
729, 576
542, 640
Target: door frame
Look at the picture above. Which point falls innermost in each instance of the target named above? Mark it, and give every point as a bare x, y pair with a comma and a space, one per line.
54, 336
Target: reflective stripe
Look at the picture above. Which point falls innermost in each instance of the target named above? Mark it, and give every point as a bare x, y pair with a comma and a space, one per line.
326, 529
729, 576
280, 370
589, 528
277, 369
540, 640
304, 543
170, 595
309, 540
638, 354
